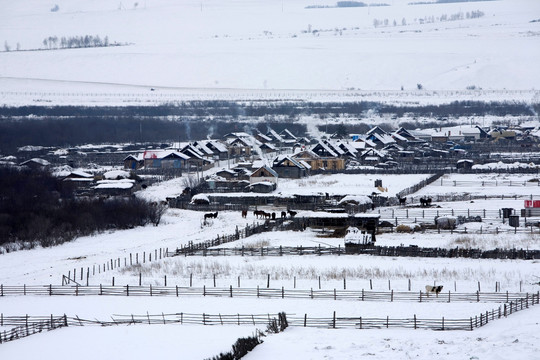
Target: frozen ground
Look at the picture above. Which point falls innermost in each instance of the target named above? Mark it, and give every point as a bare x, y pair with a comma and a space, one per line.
269, 50
515, 338
497, 340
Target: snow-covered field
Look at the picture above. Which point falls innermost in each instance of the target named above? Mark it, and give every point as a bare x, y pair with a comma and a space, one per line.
269, 50
496, 340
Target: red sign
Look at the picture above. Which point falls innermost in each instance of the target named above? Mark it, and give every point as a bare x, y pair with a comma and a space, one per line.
532, 203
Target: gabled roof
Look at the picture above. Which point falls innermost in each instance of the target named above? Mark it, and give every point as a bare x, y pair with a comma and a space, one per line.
138, 157
203, 148
236, 135
286, 134
325, 147
274, 135
264, 137
38, 161
347, 147
404, 133
269, 146
192, 149
376, 130
372, 152
399, 137
310, 154
218, 145
162, 154
282, 158
267, 168
393, 147
385, 139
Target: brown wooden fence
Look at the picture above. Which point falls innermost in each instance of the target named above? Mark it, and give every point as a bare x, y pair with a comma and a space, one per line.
264, 292
24, 324
395, 251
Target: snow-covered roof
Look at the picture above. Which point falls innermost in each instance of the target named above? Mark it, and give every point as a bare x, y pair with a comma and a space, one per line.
161, 154
357, 199
39, 161
200, 197
115, 174
384, 138
275, 135
138, 157
264, 137
115, 184
267, 168
288, 134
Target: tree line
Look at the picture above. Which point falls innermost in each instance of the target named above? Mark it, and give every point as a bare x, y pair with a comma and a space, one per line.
291, 109
38, 208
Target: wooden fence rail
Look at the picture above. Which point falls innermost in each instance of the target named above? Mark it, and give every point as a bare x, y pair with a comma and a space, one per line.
409, 251
260, 292
24, 324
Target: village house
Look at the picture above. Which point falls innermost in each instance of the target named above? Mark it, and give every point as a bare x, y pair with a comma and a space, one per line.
264, 174
289, 167
239, 147
317, 162
36, 163
134, 162
165, 159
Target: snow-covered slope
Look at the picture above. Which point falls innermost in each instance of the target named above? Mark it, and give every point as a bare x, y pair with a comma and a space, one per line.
272, 44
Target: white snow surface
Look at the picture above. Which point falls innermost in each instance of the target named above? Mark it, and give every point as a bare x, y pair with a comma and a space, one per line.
268, 50
513, 337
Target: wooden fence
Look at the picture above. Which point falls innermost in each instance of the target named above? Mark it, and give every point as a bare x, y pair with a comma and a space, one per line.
25, 323
395, 251
487, 183
261, 292
420, 185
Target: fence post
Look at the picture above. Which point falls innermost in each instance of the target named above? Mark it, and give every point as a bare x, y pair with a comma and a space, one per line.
334, 321
305, 320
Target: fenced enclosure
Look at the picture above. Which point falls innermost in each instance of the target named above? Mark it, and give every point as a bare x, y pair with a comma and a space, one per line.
267, 293
28, 325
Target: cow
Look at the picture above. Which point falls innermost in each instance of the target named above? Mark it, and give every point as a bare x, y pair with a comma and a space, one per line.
292, 213
258, 213
433, 289
425, 202
283, 214
402, 200
210, 215
273, 216
244, 214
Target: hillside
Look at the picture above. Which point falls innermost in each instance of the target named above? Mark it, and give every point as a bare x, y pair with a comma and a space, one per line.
284, 49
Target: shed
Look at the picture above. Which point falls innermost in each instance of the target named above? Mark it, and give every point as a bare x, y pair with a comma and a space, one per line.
264, 173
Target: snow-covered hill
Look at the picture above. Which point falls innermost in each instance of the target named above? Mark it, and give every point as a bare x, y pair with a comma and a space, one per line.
206, 46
